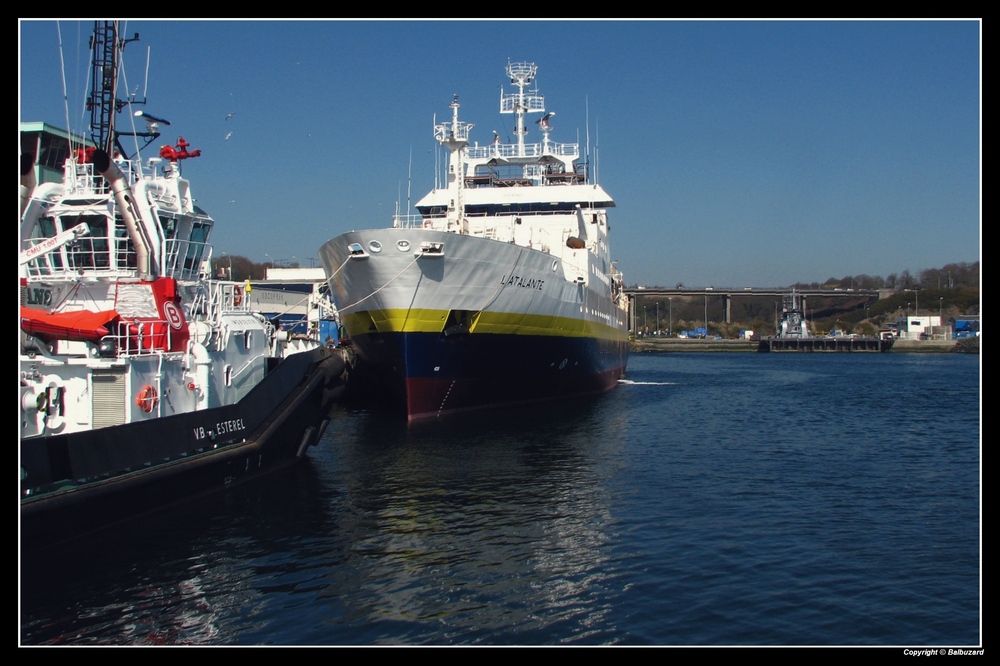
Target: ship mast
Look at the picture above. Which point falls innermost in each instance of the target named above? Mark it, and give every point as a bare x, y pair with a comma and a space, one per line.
107, 46
523, 101
454, 136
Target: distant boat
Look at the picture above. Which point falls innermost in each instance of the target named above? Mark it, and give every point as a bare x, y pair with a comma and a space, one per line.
794, 336
141, 382
501, 290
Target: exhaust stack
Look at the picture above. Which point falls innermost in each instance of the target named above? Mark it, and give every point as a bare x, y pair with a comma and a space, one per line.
130, 215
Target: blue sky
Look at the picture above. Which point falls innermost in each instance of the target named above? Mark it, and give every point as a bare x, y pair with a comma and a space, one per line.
739, 153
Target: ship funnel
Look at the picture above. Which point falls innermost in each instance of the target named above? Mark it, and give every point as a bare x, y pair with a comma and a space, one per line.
126, 206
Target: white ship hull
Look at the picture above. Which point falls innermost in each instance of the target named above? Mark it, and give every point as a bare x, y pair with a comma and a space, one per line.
479, 322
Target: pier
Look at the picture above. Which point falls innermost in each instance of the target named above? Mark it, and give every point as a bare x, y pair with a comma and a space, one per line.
825, 344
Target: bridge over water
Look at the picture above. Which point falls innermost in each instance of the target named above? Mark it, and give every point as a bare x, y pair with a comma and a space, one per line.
728, 295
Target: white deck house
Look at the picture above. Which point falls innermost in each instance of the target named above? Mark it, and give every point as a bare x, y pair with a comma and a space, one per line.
922, 327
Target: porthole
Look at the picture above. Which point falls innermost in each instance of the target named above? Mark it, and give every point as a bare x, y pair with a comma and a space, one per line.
375, 246
403, 245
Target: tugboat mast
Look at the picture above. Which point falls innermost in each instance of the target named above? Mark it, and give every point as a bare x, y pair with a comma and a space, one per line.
103, 101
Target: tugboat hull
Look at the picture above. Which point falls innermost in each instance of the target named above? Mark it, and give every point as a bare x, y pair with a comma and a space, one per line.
80, 482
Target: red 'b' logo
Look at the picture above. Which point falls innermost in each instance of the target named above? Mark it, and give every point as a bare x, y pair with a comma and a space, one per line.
173, 315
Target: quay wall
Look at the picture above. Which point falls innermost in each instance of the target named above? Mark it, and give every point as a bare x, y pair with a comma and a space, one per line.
709, 345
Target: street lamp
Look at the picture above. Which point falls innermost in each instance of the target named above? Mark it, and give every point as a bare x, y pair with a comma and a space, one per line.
670, 308
657, 324
706, 315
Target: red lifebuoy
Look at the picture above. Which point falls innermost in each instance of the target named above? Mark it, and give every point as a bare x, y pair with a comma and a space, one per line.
237, 297
147, 398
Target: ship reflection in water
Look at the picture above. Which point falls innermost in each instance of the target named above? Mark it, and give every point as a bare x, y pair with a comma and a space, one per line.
697, 504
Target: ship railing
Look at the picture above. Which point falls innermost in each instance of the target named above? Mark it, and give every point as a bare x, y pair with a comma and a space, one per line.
535, 172
416, 221
80, 178
512, 102
96, 257
131, 169
140, 337
531, 150
452, 131
83, 178
487, 231
91, 256
222, 297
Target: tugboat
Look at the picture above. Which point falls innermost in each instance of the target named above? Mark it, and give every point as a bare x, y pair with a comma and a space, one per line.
141, 380
793, 334
501, 290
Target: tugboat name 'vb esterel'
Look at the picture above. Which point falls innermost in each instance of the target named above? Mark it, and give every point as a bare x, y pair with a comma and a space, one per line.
501, 291
141, 381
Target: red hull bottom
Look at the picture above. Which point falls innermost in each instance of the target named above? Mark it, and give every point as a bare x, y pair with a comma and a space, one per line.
433, 398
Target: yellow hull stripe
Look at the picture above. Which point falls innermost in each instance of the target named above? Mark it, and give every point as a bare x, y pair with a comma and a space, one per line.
492, 323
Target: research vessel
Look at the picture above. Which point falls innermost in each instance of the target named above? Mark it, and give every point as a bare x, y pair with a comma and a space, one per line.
501, 289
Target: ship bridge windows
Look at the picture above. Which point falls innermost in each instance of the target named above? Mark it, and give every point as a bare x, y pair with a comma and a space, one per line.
196, 247
520, 208
186, 246
51, 152
523, 208
88, 251
169, 225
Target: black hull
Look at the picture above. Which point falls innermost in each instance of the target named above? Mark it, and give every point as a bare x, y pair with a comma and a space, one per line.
432, 375
272, 427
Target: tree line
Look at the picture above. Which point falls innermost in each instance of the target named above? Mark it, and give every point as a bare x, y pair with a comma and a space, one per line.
949, 291
948, 276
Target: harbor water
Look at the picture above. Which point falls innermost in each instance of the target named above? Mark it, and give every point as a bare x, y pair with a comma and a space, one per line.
711, 499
